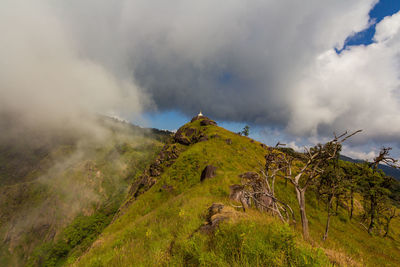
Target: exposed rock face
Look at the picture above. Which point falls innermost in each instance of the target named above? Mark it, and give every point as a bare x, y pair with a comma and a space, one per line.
187, 135
206, 121
141, 185
181, 137
228, 141
203, 138
165, 158
208, 172
217, 213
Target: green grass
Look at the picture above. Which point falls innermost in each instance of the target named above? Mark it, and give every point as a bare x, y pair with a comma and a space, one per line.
161, 226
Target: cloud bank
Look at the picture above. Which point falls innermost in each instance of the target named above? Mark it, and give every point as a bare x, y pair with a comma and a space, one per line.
45, 78
264, 62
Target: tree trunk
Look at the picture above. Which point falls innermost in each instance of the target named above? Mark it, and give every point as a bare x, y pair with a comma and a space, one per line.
386, 228
372, 223
337, 203
351, 204
300, 193
387, 225
328, 219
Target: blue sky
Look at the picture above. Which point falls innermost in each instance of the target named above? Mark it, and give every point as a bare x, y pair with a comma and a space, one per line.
173, 119
382, 9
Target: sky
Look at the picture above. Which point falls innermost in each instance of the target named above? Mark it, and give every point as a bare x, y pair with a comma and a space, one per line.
295, 71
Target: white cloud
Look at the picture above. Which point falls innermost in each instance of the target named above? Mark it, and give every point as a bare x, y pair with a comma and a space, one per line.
358, 89
357, 154
44, 75
263, 62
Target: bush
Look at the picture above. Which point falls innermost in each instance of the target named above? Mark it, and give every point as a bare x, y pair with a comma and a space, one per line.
248, 244
77, 236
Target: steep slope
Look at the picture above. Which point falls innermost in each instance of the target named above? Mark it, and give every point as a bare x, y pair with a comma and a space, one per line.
166, 217
63, 184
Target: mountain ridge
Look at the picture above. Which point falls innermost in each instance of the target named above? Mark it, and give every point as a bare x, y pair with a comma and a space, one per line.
163, 219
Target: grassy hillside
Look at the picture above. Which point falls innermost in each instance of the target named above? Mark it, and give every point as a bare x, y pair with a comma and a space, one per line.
63, 185
166, 218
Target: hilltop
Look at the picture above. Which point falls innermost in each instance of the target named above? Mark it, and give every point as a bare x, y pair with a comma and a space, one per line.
178, 212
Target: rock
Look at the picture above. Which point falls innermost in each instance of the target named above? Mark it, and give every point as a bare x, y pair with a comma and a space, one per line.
155, 168
228, 141
185, 136
203, 138
189, 131
181, 139
215, 136
141, 185
206, 121
217, 213
208, 172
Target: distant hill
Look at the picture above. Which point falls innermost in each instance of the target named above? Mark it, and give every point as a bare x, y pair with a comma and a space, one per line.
63, 183
395, 173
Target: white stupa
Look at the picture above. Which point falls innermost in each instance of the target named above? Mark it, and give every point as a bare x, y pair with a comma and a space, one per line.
200, 114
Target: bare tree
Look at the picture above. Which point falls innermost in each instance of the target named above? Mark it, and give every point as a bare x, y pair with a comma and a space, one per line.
260, 189
316, 158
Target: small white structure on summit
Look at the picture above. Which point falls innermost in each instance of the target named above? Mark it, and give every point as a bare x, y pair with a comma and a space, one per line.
200, 114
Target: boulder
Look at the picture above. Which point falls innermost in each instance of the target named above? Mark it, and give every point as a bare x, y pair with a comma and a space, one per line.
228, 141
186, 136
217, 213
181, 139
203, 138
206, 121
208, 172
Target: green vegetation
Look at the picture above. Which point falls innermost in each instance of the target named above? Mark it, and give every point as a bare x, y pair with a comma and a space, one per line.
166, 222
70, 193
162, 226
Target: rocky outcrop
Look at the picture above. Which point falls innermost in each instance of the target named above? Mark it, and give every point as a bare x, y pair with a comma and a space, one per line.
217, 213
206, 121
141, 185
208, 172
165, 158
187, 135
182, 137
